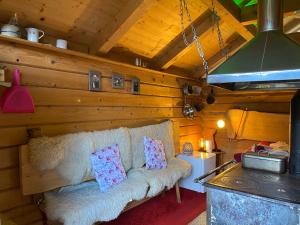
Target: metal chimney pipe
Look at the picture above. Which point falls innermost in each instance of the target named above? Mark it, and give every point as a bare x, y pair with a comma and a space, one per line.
294, 166
270, 15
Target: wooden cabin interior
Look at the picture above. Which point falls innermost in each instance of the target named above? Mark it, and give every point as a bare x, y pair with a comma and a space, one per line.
90, 66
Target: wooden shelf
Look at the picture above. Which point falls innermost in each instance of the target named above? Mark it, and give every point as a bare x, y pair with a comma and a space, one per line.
51, 48
5, 84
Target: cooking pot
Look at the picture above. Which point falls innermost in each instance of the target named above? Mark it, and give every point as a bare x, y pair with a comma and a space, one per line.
188, 111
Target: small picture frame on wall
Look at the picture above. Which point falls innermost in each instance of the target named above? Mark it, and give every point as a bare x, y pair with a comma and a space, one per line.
94, 81
117, 81
135, 86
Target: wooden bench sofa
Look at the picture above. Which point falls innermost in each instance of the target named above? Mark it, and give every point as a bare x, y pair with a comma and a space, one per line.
67, 200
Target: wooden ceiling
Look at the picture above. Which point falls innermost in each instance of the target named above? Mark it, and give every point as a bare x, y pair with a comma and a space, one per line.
150, 29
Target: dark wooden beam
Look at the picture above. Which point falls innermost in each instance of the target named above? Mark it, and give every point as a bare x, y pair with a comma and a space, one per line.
120, 24
252, 28
219, 58
177, 48
229, 5
227, 12
249, 13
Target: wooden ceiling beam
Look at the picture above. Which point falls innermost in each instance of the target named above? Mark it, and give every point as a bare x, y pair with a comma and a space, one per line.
216, 60
228, 12
295, 37
120, 24
177, 48
249, 13
292, 26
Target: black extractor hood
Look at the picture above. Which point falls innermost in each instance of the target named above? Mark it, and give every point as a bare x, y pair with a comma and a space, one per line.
271, 60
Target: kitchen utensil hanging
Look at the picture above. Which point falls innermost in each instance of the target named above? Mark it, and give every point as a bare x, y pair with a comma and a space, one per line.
188, 110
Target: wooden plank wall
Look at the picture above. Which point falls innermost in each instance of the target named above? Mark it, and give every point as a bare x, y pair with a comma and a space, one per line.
58, 83
263, 101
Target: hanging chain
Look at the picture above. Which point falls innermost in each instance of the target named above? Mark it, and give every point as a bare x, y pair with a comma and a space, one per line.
184, 7
216, 22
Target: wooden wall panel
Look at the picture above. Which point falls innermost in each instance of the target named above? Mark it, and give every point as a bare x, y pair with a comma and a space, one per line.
9, 178
9, 157
12, 198
40, 77
58, 82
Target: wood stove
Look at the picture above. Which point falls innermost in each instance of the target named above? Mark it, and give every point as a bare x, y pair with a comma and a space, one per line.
242, 196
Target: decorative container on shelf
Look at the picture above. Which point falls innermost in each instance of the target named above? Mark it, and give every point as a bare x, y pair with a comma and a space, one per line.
187, 148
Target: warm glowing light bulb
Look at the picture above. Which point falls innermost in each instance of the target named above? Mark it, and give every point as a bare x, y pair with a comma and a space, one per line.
221, 124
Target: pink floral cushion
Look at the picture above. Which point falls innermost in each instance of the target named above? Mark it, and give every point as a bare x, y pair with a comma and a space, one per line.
108, 167
154, 154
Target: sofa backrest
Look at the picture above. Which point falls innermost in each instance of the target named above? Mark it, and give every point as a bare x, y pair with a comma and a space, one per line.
66, 154
102, 139
44, 165
70, 154
163, 131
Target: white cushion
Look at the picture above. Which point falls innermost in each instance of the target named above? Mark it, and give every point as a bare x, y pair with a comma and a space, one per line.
84, 204
162, 131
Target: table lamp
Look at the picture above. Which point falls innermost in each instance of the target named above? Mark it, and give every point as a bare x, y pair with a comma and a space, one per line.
201, 145
220, 125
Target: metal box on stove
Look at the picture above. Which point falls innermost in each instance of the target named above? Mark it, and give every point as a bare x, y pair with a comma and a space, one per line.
266, 162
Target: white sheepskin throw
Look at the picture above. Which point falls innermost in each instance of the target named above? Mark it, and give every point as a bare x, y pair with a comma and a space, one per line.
159, 179
46, 153
162, 131
70, 154
119, 136
84, 204
76, 164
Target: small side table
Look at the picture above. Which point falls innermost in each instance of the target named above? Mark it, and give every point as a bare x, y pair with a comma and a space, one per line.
201, 164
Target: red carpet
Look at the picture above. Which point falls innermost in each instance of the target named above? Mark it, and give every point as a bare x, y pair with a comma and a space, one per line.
164, 210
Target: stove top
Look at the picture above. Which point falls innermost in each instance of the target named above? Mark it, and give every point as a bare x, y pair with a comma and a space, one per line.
282, 187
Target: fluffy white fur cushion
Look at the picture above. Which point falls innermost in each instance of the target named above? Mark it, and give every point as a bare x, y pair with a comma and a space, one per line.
76, 164
159, 179
119, 136
162, 131
84, 204
46, 153
69, 154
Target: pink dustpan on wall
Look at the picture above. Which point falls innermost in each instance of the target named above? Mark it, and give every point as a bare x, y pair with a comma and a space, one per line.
17, 99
